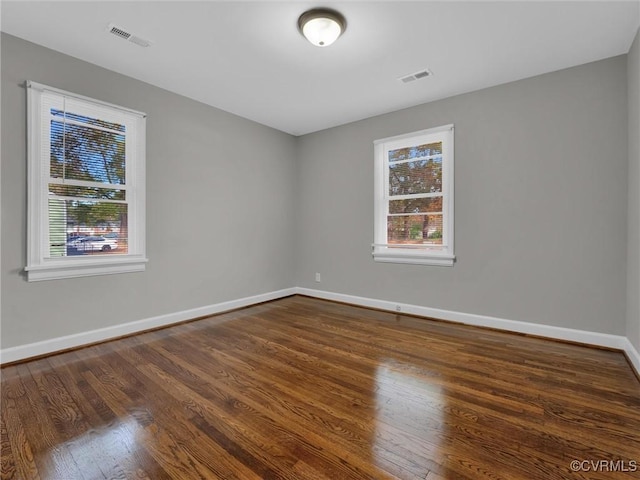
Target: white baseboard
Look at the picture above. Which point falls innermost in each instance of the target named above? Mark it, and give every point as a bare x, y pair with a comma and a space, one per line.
617, 342
22, 352
633, 355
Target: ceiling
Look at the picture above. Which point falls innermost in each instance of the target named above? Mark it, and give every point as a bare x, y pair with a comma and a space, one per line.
248, 58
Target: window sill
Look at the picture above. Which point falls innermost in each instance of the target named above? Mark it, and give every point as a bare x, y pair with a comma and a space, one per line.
54, 269
414, 258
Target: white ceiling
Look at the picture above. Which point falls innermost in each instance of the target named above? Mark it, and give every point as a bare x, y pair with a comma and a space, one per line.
249, 59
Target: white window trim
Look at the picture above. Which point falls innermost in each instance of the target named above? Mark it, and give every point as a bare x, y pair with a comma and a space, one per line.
419, 255
39, 266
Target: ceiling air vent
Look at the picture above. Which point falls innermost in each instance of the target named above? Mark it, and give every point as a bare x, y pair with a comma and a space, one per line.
416, 76
122, 33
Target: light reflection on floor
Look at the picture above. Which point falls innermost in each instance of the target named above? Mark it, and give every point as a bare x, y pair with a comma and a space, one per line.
108, 451
409, 420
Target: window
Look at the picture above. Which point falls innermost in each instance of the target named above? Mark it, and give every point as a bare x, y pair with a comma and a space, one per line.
414, 198
86, 186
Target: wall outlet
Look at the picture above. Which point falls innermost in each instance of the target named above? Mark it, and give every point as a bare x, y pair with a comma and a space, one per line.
318, 277
398, 308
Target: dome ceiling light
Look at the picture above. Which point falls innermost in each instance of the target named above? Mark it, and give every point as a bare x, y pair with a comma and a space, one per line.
321, 26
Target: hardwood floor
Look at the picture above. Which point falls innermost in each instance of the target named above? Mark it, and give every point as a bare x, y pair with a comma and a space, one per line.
301, 388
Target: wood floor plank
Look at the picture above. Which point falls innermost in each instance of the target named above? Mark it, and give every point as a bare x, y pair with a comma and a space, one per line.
351, 424
51, 454
69, 422
262, 410
183, 444
306, 389
407, 424
411, 348
106, 431
17, 455
217, 415
7, 462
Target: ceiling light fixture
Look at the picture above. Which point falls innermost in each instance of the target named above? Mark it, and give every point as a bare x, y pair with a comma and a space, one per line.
321, 26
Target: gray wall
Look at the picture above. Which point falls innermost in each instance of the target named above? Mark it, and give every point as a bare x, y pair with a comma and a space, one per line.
219, 206
540, 203
633, 247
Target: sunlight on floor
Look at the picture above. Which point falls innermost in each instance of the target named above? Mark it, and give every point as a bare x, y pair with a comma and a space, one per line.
107, 451
409, 419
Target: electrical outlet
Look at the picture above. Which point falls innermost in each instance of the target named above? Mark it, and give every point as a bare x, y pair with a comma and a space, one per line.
398, 308
318, 277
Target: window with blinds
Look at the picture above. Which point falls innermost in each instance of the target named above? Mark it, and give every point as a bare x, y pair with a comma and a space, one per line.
86, 186
414, 198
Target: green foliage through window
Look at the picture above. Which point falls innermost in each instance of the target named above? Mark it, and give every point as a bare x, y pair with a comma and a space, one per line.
88, 176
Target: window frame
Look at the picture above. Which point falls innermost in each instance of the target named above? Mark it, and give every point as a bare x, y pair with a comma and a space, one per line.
418, 255
40, 265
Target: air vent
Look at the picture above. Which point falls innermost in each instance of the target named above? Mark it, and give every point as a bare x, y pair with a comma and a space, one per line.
416, 76
122, 33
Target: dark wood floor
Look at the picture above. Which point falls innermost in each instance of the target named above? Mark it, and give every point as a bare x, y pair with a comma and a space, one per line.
301, 388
